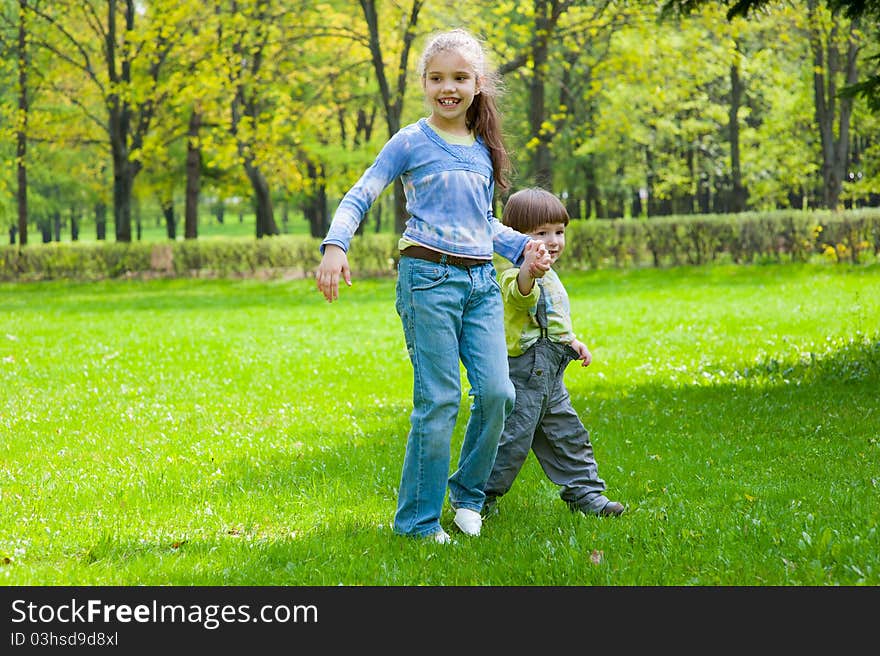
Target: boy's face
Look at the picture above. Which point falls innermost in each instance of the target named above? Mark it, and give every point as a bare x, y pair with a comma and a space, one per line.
553, 236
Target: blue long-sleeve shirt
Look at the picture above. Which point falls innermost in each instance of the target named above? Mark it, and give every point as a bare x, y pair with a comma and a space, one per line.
449, 190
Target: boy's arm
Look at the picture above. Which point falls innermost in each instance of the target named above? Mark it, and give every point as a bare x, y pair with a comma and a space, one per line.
508, 280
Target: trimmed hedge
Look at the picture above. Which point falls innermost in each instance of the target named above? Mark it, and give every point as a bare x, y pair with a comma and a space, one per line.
283, 256
750, 238
795, 236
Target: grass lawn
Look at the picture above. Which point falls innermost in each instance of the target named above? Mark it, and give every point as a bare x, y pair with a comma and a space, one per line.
216, 432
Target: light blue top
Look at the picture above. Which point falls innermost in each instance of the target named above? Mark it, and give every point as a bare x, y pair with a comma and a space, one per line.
449, 190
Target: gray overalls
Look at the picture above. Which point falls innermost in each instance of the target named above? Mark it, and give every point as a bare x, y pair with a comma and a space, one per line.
544, 421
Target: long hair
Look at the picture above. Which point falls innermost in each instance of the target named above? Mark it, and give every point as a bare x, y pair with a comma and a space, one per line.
482, 116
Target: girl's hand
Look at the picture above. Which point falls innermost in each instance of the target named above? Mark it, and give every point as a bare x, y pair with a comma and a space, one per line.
334, 263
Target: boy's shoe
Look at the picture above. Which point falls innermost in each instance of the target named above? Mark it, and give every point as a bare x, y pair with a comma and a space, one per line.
612, 509
490, 507
468, 521
440, 537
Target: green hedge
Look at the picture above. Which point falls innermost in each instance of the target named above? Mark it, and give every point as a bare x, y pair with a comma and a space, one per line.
283, 256
851, 236
796, 236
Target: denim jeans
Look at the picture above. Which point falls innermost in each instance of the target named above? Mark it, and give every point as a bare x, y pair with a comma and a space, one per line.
450, 315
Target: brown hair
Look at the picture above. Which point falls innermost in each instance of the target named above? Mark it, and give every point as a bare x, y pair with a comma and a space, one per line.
483, 116
528, 209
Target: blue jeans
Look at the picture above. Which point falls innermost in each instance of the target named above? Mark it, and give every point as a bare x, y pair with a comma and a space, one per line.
450, 315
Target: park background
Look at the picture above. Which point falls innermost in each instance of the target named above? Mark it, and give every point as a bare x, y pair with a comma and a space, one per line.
180, 406
132, 120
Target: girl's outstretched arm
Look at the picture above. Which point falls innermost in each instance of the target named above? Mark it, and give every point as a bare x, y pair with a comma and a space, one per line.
333, 263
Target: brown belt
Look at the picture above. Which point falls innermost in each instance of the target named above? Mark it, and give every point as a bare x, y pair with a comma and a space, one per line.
422, 253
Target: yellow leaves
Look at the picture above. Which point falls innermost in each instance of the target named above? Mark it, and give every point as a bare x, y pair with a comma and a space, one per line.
504, 8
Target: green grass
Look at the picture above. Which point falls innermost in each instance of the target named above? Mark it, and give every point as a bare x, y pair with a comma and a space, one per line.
212, 432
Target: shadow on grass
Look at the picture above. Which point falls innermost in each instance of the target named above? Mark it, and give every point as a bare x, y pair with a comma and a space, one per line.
776, 440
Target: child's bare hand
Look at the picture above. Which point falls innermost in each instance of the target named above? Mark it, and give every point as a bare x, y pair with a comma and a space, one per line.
333, 264
583, 352
536, 258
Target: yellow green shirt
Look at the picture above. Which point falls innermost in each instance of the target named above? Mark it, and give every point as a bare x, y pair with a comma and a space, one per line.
521, 327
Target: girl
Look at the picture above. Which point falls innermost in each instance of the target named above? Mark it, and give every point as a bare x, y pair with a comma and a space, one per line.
448, 298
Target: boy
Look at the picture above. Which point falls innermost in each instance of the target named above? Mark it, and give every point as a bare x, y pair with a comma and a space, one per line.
540, 344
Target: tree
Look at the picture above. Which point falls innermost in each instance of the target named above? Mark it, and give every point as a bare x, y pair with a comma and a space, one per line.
124, 68
262, 45
21, 135
833, 101
829, 65
549, 36
392, 99
869, 87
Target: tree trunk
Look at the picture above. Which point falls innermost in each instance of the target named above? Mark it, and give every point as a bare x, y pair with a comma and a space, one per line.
74, 224
738, 193
119, 124
315, 206
542, 163
193, 177
123, 138
170, 220
101, 221
592, 197
826, 67
123, 183
21, 127
45, 226
262, 201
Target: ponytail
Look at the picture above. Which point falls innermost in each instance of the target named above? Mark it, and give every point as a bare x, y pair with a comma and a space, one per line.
484, 119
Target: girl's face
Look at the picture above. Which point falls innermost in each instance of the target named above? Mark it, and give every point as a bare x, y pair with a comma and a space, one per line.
450, 86
553, 236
